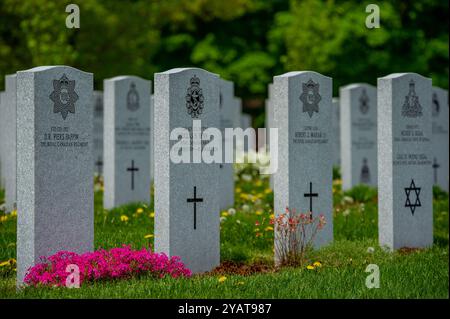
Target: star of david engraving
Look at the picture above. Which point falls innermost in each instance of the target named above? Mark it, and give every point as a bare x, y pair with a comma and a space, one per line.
364, 102
411, 107
194, 98
64, 96
416, 190
132, 98
310, 97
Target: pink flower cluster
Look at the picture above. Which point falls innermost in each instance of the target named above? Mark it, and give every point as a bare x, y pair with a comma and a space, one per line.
122, 262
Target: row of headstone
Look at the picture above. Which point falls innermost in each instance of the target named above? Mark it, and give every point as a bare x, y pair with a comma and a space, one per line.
55, 134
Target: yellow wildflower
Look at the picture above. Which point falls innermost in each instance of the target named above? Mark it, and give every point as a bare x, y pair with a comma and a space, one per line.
222, 279
14, 212
258, 212
5, 263
310, 267
240, 283
124, 218
317, 264
140, 210
148, 236
224, 214
269, 228
272, 216
267, 191
152, 215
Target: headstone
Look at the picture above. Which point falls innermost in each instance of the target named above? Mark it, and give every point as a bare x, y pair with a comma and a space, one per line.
227, 113
2, 140
55, 200
336, 118
152, 138
246, 122
10, 142
270, 123
187, 195
98, 132
405, 211
303, 182
126, 141
358, 104
439, 128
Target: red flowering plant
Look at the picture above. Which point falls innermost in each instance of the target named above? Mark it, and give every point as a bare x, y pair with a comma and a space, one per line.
115, 263
294, 236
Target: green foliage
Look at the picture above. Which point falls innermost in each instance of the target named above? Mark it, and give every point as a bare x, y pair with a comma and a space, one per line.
246, 41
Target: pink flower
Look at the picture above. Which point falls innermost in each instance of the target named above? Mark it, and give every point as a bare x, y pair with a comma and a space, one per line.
121, 262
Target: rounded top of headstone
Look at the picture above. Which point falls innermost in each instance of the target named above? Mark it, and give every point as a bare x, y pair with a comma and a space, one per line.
354, 86
126, 78
400, 75
182, 70
52, 67
292, 74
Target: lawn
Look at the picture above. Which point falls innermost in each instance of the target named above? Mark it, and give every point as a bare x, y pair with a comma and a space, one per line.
247, 253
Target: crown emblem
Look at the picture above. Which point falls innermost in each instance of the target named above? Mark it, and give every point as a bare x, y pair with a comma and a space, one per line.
411, 107
194, 98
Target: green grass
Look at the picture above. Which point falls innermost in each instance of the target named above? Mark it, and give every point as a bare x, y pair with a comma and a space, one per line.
417, 274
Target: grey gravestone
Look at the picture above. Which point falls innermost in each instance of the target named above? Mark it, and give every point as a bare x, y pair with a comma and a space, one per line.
304, 178
336, 133
358, 104
2, 139
439, 128
9, 159
270, 123
227, 112
126, 141
98, 132
187, 195
55, 200
246, 122
152, 137
405, 211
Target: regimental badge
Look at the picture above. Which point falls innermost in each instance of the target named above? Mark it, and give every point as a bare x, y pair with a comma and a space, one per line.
411, 106
194, 98
310, 97
364, 102
64, 96
436, 106
132, 98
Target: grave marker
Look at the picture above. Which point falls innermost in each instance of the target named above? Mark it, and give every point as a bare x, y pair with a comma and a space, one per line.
126, 141
303, 181
439, 128
405, 211
187, 195
98, 132
358, 104
55, 200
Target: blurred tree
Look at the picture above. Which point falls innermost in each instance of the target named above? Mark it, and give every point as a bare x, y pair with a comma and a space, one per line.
246, 41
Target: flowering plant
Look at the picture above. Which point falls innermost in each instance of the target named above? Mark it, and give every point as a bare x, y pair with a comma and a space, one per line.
122, 262
295, 234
